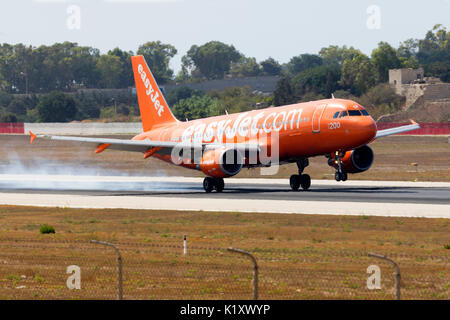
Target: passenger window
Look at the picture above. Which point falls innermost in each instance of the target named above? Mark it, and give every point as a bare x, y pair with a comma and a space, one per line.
353, 113
336, 115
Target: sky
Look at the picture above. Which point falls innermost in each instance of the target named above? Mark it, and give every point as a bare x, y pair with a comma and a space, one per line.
257, 28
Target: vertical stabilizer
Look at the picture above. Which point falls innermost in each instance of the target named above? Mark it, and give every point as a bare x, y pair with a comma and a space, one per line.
152, 105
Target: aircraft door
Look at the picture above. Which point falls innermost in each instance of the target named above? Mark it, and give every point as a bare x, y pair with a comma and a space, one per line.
317, 117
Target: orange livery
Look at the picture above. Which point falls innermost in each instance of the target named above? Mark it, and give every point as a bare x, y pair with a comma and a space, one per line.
221, 146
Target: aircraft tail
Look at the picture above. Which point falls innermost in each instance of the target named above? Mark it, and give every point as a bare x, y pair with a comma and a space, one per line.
152, 105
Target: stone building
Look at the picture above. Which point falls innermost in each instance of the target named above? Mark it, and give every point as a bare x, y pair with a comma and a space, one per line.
428, 97
397, 77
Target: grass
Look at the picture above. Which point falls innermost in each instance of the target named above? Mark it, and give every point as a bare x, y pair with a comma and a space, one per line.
46, 229
300, 256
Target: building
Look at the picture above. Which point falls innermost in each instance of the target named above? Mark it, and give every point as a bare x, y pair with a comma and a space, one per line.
397, 77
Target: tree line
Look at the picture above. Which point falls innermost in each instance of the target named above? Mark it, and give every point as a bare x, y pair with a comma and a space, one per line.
345, 71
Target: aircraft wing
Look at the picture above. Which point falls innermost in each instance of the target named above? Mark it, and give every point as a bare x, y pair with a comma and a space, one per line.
391, 131
144, 145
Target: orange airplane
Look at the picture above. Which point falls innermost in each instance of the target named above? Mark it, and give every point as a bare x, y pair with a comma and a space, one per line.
221, 146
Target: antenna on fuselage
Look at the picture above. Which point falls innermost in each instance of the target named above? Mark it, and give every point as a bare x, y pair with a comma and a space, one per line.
226, 112
332, 96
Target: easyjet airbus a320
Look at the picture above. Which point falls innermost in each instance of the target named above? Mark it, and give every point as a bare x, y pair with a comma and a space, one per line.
221, 146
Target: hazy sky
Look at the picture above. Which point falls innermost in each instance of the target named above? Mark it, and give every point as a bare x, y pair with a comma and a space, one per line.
258, 28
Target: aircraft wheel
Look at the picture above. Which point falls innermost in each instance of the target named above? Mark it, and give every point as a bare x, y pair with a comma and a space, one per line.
340, 176
337, 176
219, 184
305, 181
208, 184
294, 181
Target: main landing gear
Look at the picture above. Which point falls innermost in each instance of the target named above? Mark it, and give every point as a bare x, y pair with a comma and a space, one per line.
300, 180
210, 184
340, 175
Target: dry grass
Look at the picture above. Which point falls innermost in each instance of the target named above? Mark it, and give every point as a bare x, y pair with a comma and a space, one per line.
393, 158
300, 256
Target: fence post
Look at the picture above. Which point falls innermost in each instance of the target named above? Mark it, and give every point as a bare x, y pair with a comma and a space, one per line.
396, 272
255, 270
119, 267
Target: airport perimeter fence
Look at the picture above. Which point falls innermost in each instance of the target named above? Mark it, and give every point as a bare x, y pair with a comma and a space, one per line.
43, 269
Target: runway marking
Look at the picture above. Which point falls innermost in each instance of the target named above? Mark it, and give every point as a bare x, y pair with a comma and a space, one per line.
231, 181
232, 205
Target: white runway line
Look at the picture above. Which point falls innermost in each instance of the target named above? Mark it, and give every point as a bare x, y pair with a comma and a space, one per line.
230, 205
231, 181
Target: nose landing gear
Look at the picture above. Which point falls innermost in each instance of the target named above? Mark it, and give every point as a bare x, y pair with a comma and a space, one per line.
339, 175
300, 180
210, 184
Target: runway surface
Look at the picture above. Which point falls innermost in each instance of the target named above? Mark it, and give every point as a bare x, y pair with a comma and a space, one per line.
384, 198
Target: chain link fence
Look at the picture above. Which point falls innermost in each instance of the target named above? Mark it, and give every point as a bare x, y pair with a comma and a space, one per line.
40, 269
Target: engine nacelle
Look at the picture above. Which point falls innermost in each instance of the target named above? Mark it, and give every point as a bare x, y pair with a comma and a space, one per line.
354, 161
221, 162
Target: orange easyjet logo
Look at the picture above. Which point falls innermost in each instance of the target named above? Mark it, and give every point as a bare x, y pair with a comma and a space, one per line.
154, 95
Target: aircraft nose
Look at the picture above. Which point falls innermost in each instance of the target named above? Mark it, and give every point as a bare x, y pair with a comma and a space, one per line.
368, 128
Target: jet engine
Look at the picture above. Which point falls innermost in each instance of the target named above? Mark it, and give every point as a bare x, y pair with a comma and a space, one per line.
221, 162
354, 161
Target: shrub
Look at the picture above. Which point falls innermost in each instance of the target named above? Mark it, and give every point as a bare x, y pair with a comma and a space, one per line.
46, 229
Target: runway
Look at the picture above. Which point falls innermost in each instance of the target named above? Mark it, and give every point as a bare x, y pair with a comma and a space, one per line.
383, 198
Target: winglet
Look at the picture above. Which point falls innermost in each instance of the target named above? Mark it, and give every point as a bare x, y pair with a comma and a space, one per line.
102, 147
32, 137
412, 121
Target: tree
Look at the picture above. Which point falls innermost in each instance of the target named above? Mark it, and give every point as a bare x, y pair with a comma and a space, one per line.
303, 62
271, 67
181, 93
110, 69
18, 107
438, 69
236, 99
408, 48
7, 118
322, 80
196, 107
16, 66
410, 62
211, 60
434, 52
436, 40
126, 76
384, 58
158, 56
283, 93
245, 67
56, 107
337, 55
358, 74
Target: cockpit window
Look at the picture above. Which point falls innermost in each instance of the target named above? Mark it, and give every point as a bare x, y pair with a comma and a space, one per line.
336, 115
343, 114
353, 113
364, 112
